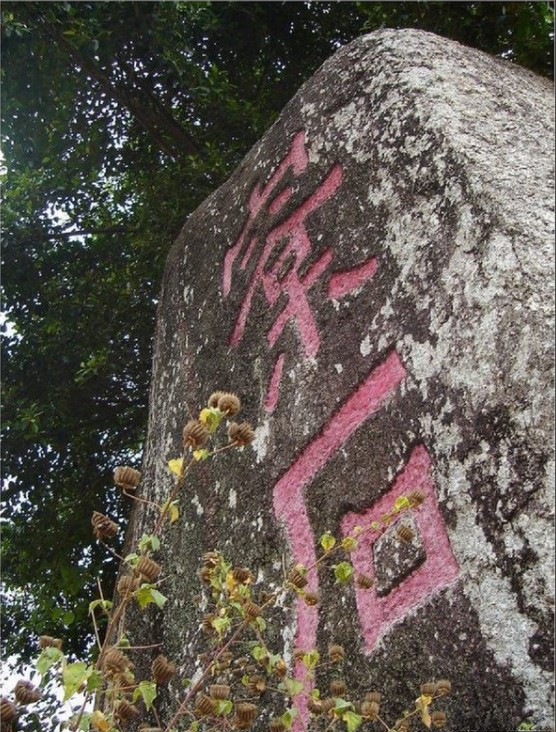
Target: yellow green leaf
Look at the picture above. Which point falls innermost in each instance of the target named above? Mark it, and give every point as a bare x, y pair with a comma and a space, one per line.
401, 503
349, 543
176, 466
211, 417
201, 455
327, 541
99, 721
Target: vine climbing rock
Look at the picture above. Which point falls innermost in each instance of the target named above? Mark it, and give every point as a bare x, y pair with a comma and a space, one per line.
375, 281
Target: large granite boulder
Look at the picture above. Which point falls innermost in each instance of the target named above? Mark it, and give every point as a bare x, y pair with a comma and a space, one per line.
375, 281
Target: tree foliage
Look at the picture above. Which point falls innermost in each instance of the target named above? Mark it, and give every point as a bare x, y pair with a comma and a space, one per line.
119, 118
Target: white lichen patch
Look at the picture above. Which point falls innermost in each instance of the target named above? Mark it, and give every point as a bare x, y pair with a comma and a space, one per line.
232, 498
260, 443
365, 346
339, 368
195, 501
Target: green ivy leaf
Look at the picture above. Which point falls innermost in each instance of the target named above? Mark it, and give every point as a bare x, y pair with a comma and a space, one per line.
349, 543
94, 682
223, 707
147, 594
73, 676
258, 653
48, 658
311, 659
343, 572
288, 717
352, 720
221, 625
147, 691
293, 686
149, 542
104, 604
327, 541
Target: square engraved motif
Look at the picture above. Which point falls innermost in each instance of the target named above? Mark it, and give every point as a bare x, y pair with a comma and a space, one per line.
394, 559
381, 606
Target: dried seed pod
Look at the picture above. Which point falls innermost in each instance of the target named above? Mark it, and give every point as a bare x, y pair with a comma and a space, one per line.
46, 641
148, 568
405, 533
364, 581
369, 709
416, 498
210, 559
373, 696
242, 575
311, 598
162, 669
338, 687
438, 719
245, 715
443, 687
298, 654
215, 397
125, 711
207, 625
252, 610
428, 689
103, 527
127, 478
335, 652
219, 691
242, 661
277, 725
256, 684
25, 692
204, 706
315, 706
115, 661
229, 404
128, 584
241, 434
280, 668
205, 574
403, 725
8, 711
297, 578
327, 704
195, 435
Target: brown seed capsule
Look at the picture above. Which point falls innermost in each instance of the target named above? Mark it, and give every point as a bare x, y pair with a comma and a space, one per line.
428, 689
115, 661
148, 568
46, 641
298, 654
327, 704
210, 559
373, 696
364, 581
245, 715
416, 498
443, 687
336, 653
297, 579
128, 584
162, 669
369, 709
205, 705
242, 575
252, 610
277, 725
405, 533
103, 527
8, 711
207, 625
229, 404
125, 711
26, 693
241, 434
314, 706
280, 669
438, 719
195, 435
215, 397
219, 691
256, 684
127, 478
403, 725
338, 687
311, 598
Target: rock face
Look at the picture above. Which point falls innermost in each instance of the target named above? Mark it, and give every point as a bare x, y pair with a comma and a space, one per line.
375, 281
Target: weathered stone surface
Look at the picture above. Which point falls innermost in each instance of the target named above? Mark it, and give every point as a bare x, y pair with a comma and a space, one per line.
375, 280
